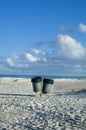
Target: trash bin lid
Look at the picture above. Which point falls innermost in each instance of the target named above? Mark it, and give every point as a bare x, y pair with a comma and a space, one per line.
50, 81
36, 79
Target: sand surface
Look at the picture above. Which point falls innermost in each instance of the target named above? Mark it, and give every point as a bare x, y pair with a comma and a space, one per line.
62, 109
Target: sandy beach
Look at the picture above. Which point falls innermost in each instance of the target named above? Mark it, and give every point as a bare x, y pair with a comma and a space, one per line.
64, 108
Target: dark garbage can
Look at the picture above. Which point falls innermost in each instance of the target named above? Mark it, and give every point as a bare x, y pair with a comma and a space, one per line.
47, 85
37, 84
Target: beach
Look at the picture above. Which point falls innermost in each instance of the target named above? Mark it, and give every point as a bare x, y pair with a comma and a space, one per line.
64, 108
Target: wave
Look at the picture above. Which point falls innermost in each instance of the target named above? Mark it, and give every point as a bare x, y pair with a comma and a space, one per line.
46, 76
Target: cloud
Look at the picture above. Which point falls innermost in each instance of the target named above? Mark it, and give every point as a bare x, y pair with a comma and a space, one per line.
10, 62
36, 55
46, 45
82, 28
70, 47
31, 58
13, 62
66, 57
38, 52
26, 59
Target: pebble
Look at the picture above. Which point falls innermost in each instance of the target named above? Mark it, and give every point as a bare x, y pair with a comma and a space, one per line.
50, 112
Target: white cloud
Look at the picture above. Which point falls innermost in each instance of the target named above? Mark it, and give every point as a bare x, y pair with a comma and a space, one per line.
70, 47
10, 62
31, 57
13, 62
66, 57
82, 28
26, 59
37, 52
36, 55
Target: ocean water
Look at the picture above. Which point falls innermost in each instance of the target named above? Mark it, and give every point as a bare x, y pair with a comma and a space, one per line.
46, 76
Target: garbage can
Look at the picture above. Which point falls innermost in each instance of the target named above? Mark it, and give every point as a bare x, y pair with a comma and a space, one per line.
47, 85
37, 84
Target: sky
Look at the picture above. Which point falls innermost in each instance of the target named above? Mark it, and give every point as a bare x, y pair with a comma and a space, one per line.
43, 37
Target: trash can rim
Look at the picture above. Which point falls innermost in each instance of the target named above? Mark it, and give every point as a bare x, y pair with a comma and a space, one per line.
36, 79
50, 81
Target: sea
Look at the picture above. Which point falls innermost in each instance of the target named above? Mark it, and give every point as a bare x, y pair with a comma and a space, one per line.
45, 76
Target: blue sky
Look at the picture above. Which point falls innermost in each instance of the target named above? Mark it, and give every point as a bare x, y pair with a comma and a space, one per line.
43, 37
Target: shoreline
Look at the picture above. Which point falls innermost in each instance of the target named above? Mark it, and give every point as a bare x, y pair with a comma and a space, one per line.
46, 76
